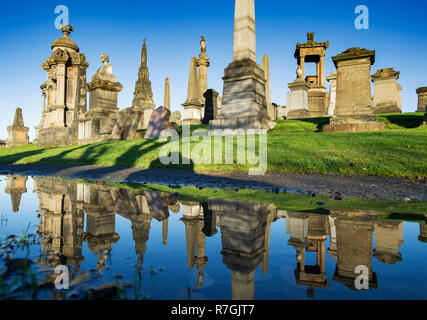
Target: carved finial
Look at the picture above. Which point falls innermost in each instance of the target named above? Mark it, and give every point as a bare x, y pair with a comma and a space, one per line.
66, 29
105, 59
310, 36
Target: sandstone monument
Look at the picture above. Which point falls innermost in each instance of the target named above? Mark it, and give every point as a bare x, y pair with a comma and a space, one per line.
64, 93
353, 110
244, 105
138, 115
314, 52
332, 79
387, 96
17, 132
297, 98
203, 63
422, 99
193, 105
97, 124
159, 121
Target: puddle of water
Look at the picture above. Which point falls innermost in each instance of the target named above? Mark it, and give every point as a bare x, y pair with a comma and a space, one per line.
152, 245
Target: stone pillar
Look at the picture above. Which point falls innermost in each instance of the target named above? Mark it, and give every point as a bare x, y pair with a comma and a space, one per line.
387, 97
266, 68
353, 111
332, 79
193, 105
203, 63
167, 100
244, 30
17, 132
244, 105
422, 99
243, 227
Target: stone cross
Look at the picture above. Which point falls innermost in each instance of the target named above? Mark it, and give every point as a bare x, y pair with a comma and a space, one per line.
244, 30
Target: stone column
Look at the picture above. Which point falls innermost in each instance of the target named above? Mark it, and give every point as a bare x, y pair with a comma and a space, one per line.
266, 68
244, 30
193, 105
167, 100
203, 63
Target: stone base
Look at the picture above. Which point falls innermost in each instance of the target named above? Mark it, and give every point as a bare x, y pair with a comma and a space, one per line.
298, 114
52, 137
239, 125
317, 102
387, 108
357, 123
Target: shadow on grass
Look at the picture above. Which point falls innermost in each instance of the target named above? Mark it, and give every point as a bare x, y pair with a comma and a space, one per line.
403, 120
319, 122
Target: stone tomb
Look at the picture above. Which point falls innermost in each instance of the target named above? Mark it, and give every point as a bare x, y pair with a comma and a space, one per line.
353, 110
159, 121
17, 133
422, 99
314, 52
97, 124
387, 96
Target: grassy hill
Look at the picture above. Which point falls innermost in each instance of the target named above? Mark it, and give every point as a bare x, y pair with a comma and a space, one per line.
293, 146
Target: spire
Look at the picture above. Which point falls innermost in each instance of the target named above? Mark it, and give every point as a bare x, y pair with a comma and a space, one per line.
193, 85
144, 54
143, 95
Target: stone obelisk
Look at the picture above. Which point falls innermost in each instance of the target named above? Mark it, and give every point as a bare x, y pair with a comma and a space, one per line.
167, 101
266, 68
244, 104
17, 133
193, 105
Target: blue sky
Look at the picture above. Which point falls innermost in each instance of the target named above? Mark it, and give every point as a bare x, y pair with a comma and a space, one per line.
173, 28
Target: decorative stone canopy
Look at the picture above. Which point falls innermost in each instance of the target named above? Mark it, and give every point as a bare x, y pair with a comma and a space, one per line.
65, 41
355, 53
421, 90
383, 74
311, 43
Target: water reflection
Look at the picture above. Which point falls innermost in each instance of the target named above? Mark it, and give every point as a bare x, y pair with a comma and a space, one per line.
71, 213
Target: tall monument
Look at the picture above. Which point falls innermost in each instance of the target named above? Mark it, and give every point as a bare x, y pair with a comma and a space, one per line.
203, 63
64, 92
143, 96
244, 104
193, 105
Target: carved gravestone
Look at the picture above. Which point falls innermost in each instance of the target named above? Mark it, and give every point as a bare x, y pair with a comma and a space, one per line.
158, 206
211, 104
158, 122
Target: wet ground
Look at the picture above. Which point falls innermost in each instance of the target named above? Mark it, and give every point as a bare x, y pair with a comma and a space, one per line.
361, 187
135, 244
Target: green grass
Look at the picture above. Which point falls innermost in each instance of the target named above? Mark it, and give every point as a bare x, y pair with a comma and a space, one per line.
294, 146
